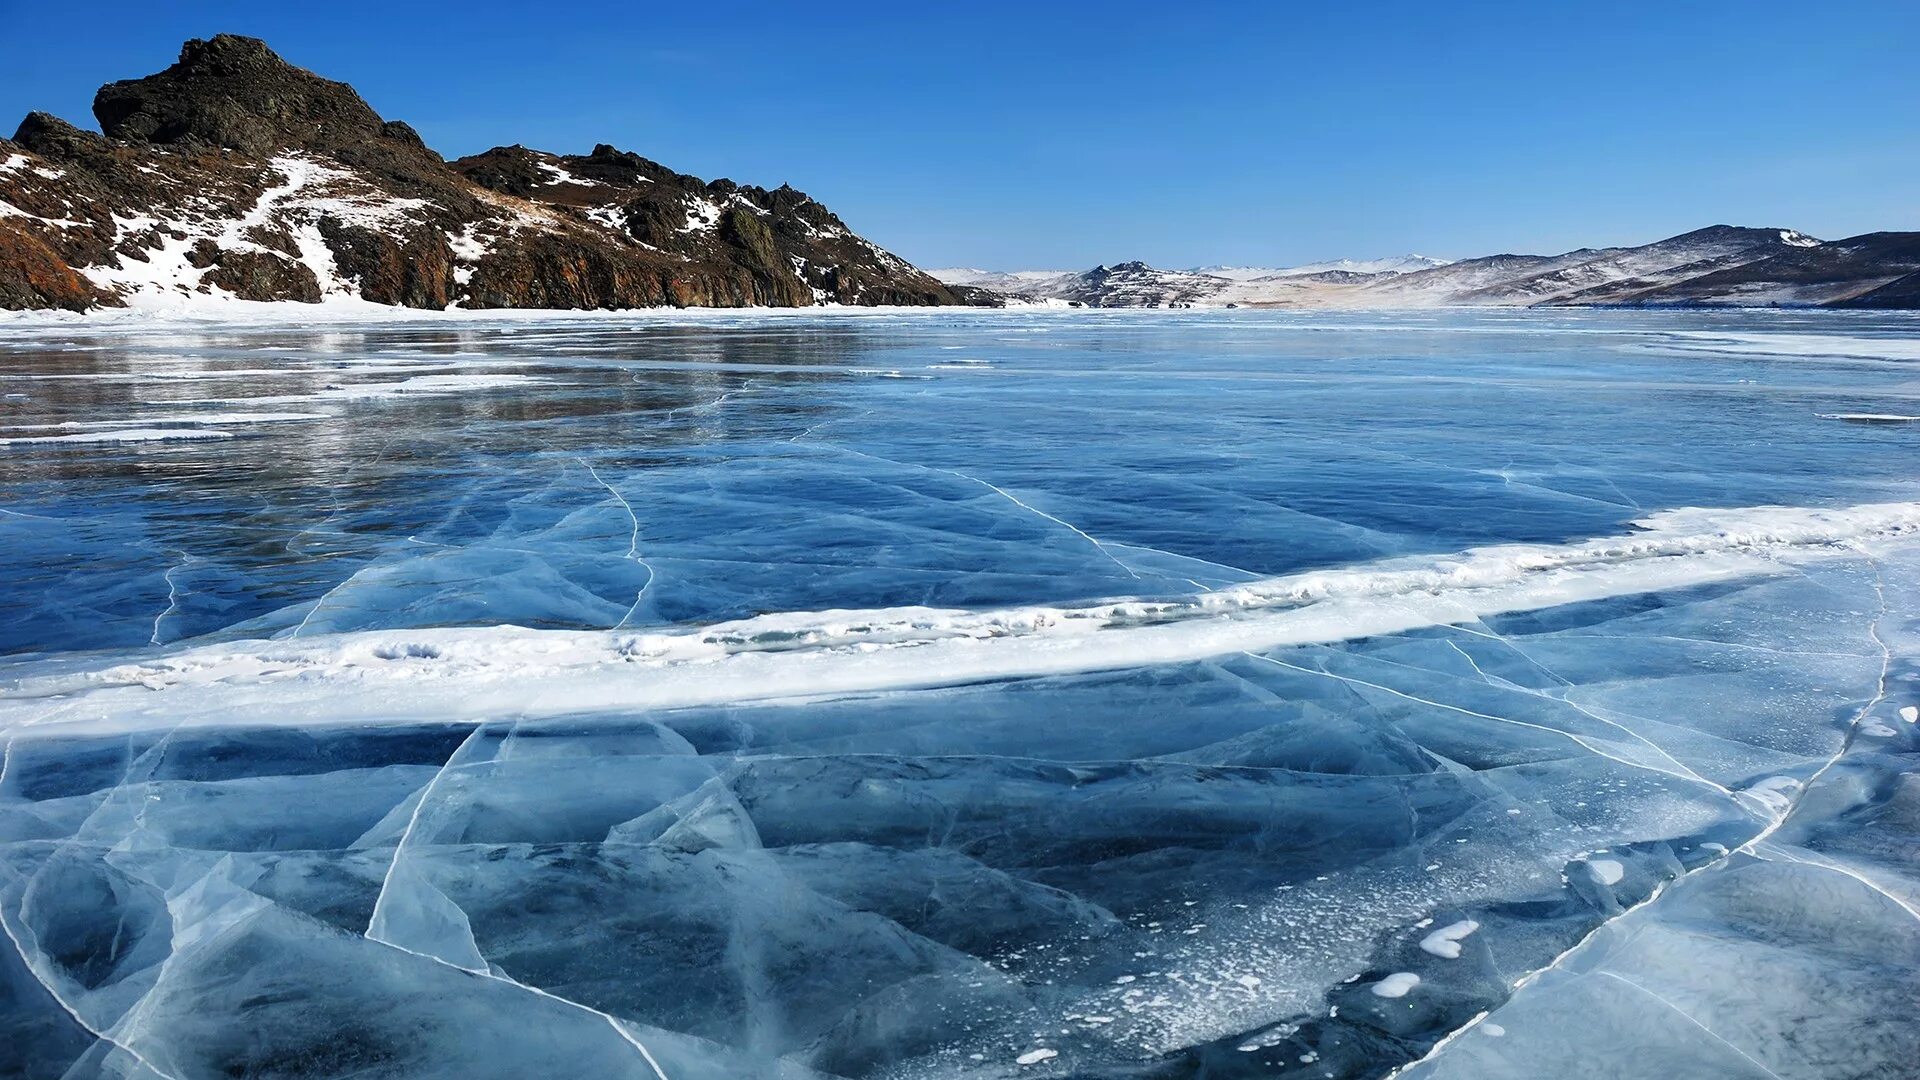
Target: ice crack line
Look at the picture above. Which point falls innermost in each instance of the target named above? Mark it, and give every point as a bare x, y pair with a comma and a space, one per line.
817, 425
1803, 858
413, 821
173, 594
6, 926
337, 505
1716, 1036
1853, 726
612, 1021
633, 543
375, 933
1069, 526
1582, 743
743, 388
997, 490
633, 538
1683, 770
315, 609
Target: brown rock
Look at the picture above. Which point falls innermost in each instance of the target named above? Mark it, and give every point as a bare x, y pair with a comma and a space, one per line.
33, 276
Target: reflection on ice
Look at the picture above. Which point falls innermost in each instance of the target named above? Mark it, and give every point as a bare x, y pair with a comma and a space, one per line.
1327, 719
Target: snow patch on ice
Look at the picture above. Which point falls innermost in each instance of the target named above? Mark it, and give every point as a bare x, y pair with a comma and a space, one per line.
1445, 942
545, 672
183, 420
1396, 985
134, 435
1796, 345
420, 385
1775, 793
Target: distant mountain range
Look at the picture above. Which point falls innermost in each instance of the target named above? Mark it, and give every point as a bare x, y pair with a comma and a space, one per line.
233, 174
1401, 264
1719, 266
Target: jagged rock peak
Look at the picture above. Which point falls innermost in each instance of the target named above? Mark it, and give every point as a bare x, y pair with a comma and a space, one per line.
49, 136
235, 92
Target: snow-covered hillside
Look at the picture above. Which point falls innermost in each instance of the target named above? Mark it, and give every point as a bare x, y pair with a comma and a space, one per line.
1398, 264
1721, 265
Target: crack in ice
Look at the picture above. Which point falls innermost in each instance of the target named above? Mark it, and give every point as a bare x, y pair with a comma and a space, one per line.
173, 594
1752, 847
1689, 1017
633, 544
1583, 743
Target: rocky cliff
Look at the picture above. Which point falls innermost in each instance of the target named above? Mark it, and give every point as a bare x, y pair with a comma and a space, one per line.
234, 173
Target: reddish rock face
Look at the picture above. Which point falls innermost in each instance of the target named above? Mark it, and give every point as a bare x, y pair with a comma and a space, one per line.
234, 172
33, 276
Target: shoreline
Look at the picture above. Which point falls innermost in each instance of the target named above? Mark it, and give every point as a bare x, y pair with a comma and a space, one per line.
250, 313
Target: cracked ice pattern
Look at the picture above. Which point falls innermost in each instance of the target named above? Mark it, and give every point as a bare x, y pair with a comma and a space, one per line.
266, 811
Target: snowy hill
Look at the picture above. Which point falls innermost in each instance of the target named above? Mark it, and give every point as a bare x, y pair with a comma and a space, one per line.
1721, 265
1399, 264
234, 174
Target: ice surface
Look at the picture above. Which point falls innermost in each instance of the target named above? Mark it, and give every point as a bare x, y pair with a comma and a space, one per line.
1151, 695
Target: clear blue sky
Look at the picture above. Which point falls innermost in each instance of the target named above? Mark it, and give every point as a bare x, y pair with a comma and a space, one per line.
1043, 135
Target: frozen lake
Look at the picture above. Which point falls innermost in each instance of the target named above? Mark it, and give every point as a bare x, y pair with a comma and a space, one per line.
962, 694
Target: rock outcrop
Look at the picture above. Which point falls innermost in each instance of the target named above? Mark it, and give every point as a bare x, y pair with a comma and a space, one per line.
234, 173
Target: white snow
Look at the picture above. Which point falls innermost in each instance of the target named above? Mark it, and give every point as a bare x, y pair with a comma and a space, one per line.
1797, 345
702, 214
433, 384
559, 175
468, 249
1035, 1057
306, 191
134, 435
1397, 264
612, 216
437, 674
1774, 794
1396, 985
1606, 871
1036, 281
820, 295
1445, 942
417, 386
184, 420
7, 209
